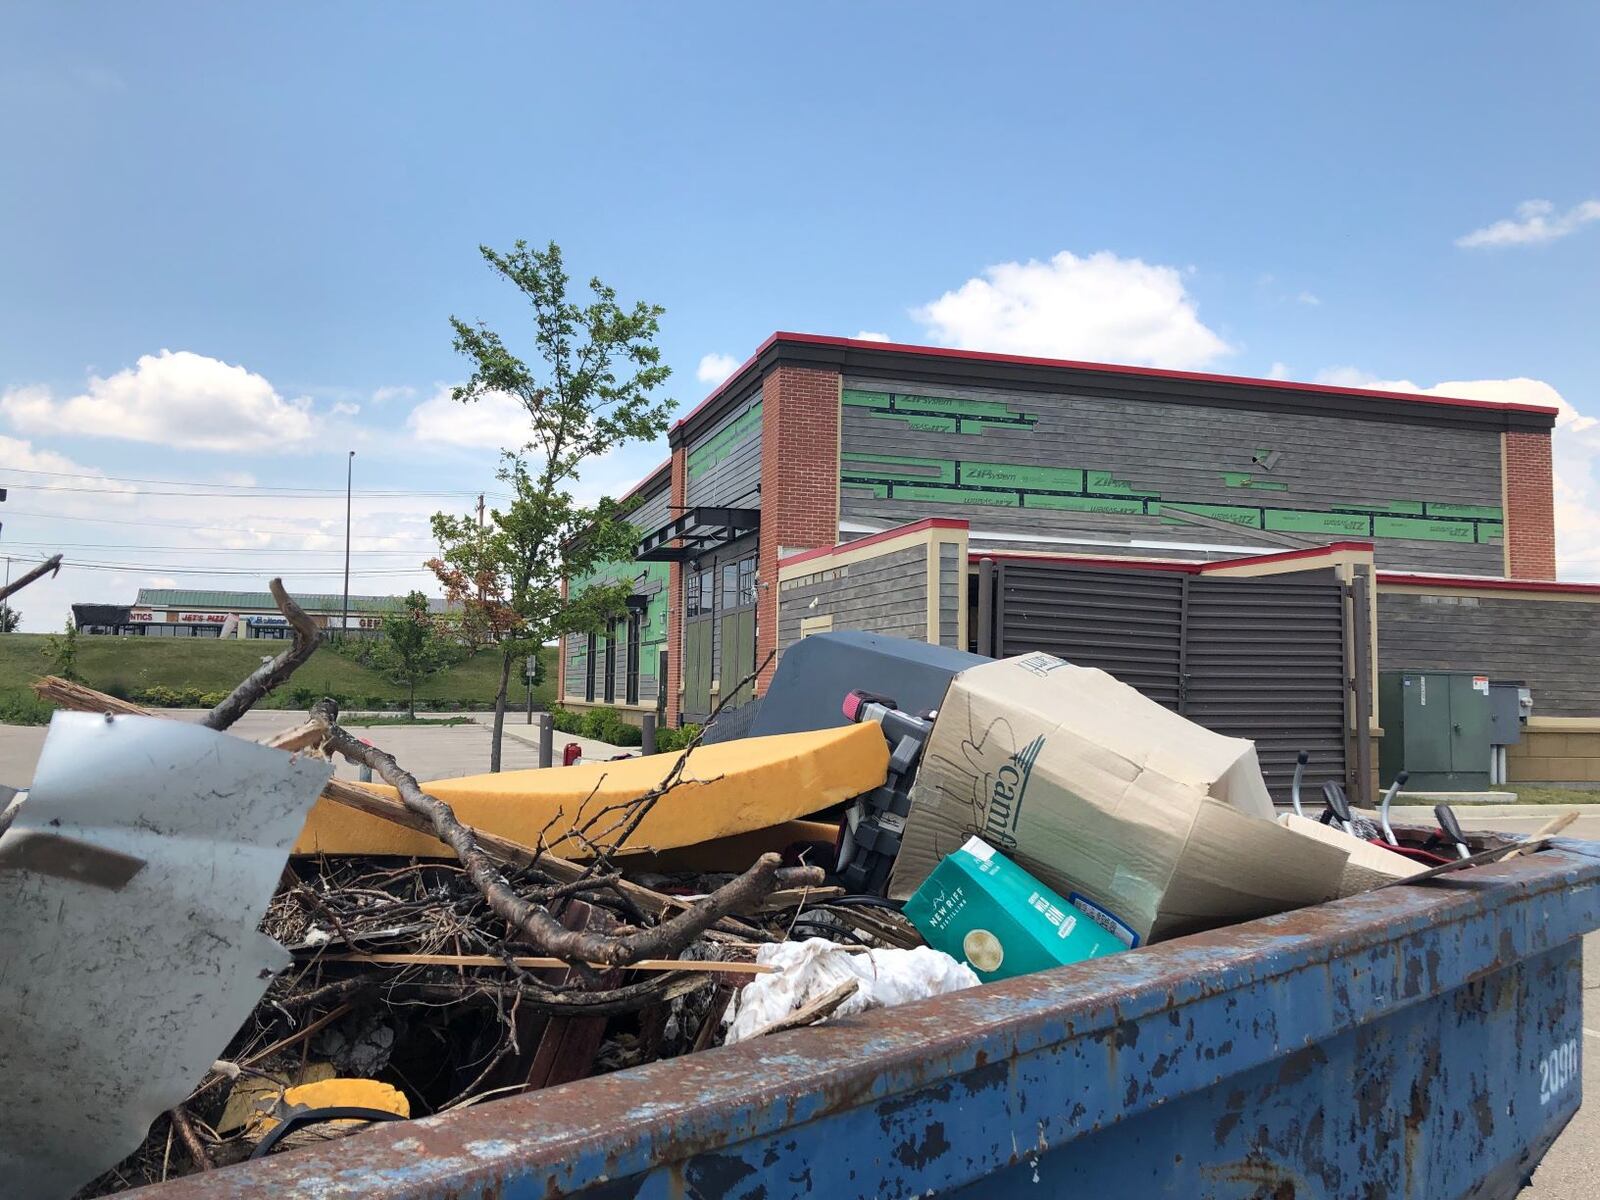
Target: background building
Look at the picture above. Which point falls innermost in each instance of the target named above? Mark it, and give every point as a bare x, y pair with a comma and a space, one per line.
180, 612
833, 483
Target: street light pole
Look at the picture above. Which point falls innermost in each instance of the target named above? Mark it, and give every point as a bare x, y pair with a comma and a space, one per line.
349, 475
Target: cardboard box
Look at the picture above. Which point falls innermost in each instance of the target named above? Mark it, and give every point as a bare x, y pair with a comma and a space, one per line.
1123, 807
1368, 866
984, 910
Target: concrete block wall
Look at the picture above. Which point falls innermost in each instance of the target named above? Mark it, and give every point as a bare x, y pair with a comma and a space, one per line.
1547, 756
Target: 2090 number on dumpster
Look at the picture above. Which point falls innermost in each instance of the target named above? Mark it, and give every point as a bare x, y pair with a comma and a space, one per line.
1558, 1070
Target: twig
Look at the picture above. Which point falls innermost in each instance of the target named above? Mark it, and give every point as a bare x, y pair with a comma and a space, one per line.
532, 961
534, 922
48, 567
190, 1139
824, 1005
272, 674
78, 698
613, 1002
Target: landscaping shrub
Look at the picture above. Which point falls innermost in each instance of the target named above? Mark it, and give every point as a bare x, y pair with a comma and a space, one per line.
670, 741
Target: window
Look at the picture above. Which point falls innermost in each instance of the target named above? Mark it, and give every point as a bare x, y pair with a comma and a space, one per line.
747, 580
631, 684
698, 597
730, 585
611, 663
588, 678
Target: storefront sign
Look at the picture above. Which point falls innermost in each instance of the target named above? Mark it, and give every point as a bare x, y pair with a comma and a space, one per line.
201, 618
141, 614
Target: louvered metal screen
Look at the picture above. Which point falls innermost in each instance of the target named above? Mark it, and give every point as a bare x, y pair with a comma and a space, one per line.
1259, 658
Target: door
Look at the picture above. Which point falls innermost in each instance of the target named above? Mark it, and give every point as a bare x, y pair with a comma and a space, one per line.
1469, 723
699, 617
736, 626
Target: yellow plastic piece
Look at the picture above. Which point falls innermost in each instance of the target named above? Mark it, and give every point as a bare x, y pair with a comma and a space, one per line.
729, 788
342, 1093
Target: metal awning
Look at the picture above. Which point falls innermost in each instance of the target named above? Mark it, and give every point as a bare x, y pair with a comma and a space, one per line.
695, 531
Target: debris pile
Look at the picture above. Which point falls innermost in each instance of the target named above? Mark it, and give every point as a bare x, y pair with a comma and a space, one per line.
264, 956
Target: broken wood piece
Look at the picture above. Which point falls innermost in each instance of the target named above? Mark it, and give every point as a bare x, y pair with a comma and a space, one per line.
567, 1047
532, 961
190, 1139
49, 566
789, 897
823, 1006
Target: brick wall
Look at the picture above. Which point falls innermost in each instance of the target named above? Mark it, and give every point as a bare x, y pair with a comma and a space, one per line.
675, 598
1530, 507
799, 482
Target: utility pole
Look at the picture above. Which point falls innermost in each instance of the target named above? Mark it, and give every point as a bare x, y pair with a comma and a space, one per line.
480, 511
349, 475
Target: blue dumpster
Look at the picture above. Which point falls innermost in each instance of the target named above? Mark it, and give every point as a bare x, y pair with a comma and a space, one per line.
1418, 1041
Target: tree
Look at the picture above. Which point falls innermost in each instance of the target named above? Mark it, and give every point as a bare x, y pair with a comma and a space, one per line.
412, 647
10, 619
62, 651
588, 390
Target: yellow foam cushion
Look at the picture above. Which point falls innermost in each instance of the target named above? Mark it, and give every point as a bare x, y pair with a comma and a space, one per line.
726, 789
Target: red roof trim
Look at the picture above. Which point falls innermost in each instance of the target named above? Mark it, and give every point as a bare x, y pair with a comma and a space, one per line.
732, 379
1322, 389
1164, 564
649, 476
1487, 583
1285, 555
898, 531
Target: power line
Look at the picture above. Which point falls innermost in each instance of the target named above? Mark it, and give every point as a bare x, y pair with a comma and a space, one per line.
207, 549
230, 528
236, 487
276, 494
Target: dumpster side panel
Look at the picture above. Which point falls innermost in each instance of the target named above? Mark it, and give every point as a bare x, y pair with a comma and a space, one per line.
1410, 1042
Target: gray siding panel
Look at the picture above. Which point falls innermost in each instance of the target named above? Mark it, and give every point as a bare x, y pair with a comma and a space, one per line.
720, 471
952, 571
1182, 453
888, 594
576, 651
653, 513
1554, 645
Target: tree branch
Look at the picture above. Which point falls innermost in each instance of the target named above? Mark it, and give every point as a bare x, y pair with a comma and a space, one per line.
269, 675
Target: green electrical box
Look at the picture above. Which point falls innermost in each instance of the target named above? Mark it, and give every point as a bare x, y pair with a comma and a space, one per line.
1436, 728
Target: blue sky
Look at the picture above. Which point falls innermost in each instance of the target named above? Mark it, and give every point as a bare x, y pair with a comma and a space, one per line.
289, 198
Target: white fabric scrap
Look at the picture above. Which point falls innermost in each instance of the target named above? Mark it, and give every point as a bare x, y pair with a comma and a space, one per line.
809, 969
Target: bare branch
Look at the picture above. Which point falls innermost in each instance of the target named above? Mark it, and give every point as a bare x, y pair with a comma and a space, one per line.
270, 675
48, 567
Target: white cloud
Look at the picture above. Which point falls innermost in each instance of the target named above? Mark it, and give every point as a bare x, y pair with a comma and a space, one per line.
493, 421
183, 400
1309, 298
714, 368
1099, 307
384, 394
1536, 221
867, 335
344, 408
1575, 455
1278, 370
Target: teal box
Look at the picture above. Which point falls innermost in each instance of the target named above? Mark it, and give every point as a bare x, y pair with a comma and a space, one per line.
982, 909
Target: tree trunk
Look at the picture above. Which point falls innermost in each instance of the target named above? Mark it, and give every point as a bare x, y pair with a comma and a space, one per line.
411, 700
500, 709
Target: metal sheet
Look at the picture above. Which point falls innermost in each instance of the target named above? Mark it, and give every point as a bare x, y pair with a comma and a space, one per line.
120, 985
1416, 1042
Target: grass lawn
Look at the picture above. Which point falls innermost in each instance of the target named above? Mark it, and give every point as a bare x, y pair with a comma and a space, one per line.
127, 666
1530, 794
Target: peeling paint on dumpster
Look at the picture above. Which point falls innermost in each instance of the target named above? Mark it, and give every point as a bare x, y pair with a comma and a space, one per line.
1385, 1046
